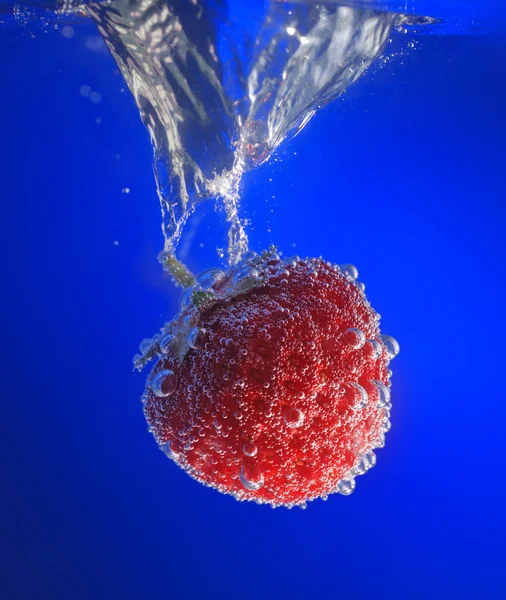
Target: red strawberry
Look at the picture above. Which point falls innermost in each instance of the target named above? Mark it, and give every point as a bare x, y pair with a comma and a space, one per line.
273, 384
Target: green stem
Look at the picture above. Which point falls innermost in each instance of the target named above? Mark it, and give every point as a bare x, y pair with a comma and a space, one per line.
180, 273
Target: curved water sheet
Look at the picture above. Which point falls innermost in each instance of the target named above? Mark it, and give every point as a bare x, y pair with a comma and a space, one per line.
217, 101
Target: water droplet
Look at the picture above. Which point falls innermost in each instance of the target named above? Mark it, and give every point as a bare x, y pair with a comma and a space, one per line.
209, 278
360, 398
163, 383
355, 337
169, 452
294, 418
391, 345
252, 479
346, 486
383, 394
350, 271
245, 278
250, 449
376, 348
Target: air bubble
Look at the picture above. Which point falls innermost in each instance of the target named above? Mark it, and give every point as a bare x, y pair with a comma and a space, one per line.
166, 342
145, 345
96, 97
355, 337
376, 348
360, 467
209, 278
85, 91
346, 486
391, 345
169, 452
294, 418
252, 479
195, 337
364, 463
350, 271
163, 383
250, 449
282, 273
68, 31
369, 459
361, 398
186, 299
245, 278
383, 394
381, 440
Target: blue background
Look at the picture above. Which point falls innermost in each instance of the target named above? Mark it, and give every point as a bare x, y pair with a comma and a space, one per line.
405, 178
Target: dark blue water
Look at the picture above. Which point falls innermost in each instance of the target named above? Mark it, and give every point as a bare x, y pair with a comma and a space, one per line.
405, 178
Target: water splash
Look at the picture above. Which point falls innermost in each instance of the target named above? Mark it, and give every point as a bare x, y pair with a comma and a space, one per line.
213, 110
166, 52
217, 100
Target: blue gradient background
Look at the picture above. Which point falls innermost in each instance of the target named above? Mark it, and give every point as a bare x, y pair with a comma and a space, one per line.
405, 178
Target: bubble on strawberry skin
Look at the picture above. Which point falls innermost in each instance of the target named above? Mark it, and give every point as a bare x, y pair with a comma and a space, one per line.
294, 418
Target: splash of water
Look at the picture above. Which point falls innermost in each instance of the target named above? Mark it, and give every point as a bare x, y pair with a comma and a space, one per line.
214, 112
218, 101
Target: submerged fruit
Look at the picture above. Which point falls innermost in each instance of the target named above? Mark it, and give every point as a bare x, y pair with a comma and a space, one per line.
274, 384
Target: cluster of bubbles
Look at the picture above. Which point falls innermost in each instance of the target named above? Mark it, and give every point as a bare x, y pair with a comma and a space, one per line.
210, 286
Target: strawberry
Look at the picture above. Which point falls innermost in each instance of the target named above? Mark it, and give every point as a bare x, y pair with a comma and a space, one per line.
272, 384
